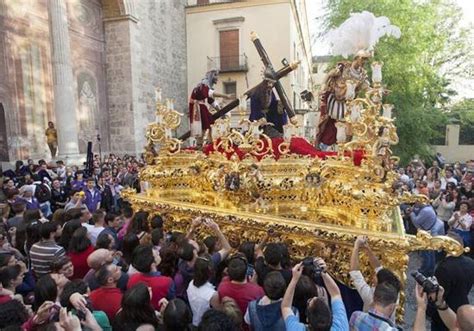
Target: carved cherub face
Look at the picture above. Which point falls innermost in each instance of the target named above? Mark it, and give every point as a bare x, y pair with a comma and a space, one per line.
194, 170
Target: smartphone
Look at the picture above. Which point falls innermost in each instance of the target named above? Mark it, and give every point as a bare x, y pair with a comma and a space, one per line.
54, 313
80, 314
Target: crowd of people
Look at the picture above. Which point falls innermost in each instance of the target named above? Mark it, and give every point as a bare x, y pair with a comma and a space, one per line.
448, 189
75, 256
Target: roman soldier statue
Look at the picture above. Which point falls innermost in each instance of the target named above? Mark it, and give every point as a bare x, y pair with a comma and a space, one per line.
334, 94
201, 100
357, 36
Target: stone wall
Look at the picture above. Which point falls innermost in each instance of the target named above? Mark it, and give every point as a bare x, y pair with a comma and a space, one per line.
145, 48
120, 50
452, 151
26, 59
161, 59
25, 63
119, 85
88, 57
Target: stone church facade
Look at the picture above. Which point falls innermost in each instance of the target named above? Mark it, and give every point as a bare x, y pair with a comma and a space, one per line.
89, 66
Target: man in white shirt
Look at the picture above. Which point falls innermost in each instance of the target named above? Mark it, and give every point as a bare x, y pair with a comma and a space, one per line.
98, 217
61, 170
366, 291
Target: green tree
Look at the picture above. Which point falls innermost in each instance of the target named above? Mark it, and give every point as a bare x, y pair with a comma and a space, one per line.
418, 67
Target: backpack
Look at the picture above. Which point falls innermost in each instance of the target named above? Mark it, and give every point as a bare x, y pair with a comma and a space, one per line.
42, 193
270, 320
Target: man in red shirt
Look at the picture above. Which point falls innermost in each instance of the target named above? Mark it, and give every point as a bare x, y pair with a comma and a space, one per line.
145, 260
107, 297
236, 286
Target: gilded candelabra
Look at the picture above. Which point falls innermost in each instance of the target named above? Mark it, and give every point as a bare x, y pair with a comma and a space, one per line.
160, 131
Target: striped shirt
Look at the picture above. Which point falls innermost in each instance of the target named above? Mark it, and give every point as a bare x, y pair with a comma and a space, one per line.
42, 254
336, 108
361, 321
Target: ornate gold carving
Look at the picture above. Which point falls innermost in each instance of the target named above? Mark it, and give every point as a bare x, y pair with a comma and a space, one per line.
251, 141
160, 132
316, 206
331, 192
424, 240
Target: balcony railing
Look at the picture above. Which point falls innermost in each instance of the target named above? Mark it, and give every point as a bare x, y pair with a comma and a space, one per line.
194, 3
235, 63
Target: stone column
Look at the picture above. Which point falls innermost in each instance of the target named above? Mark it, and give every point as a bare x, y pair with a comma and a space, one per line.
64, 101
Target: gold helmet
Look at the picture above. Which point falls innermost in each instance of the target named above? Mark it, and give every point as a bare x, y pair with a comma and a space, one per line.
363, 54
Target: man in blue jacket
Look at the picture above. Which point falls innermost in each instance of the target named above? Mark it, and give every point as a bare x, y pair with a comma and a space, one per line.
424, 218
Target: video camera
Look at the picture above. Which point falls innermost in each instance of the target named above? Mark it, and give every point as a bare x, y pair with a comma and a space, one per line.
429, 284
312, 269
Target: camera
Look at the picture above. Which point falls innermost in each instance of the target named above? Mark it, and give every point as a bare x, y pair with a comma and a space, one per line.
429, 284
307, 96
312, 269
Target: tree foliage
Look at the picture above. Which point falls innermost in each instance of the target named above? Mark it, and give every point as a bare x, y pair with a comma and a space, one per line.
418, 67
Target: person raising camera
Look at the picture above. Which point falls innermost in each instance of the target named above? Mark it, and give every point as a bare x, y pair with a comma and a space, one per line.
318, 314
444, 205
456, 275
461, 320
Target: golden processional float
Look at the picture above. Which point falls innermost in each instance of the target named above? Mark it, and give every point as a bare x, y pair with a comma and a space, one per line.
316, 206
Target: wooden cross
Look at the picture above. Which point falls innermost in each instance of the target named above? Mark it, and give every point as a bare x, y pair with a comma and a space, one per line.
275, 75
